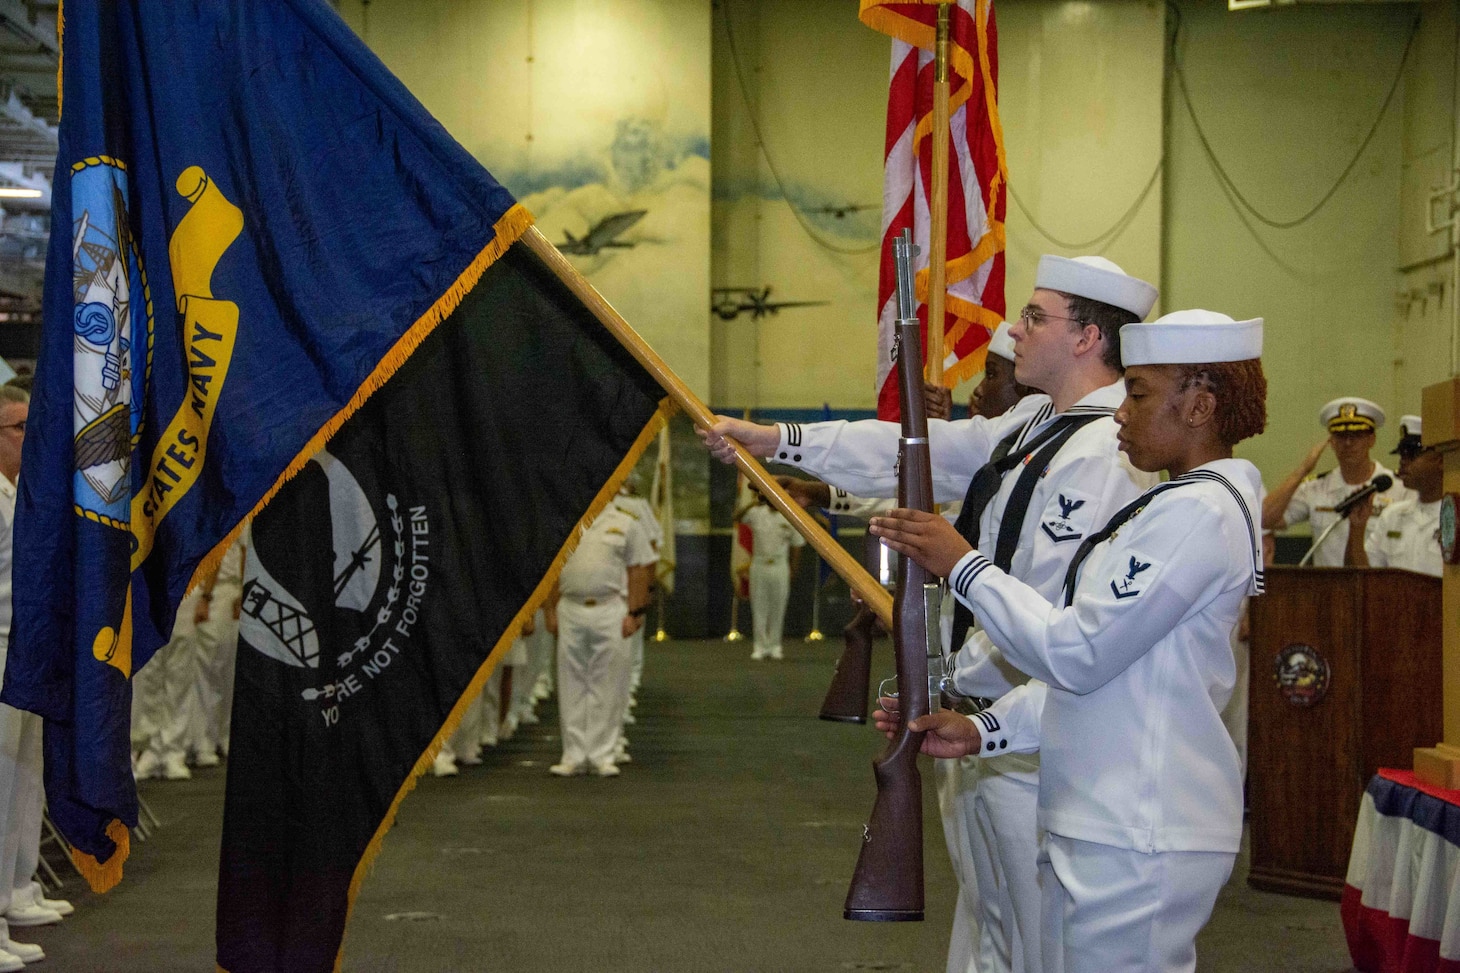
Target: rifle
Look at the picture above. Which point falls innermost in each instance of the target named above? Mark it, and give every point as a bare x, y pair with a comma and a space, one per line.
887, 885
846, 697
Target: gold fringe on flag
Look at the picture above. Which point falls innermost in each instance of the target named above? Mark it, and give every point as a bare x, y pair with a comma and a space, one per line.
60, 53
508, 230
104, 876
512, 634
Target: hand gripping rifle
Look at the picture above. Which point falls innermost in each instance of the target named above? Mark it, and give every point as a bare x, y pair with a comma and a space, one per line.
887, 885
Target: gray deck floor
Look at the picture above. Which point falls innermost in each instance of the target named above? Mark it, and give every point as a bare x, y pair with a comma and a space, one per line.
725, 846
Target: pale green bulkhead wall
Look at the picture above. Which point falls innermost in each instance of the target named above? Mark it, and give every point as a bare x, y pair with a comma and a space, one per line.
1424, 307
1081, 89
1080, 97
814, 80
1285, 98
583, 109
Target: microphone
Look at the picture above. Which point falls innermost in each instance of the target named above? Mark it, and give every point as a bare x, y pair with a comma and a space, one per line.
1377, 485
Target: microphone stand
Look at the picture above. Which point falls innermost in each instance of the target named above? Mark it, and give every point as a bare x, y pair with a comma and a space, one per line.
1321, 538
1342, 517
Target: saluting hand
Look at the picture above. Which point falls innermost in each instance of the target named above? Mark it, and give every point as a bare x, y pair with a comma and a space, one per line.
1315, 454
926, 538
757, 439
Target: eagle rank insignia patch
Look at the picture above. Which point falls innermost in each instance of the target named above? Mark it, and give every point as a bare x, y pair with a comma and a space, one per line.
1132, 580
1066, 516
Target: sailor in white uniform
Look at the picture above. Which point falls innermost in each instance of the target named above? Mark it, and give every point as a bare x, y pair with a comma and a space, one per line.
639, 508
1351, 423
1141, 792
602, 595
776, 550
973, 944
1405, 534
1034, 482
208, 708
21, 796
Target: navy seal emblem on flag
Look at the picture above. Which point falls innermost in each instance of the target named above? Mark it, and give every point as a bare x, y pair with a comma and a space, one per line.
113, 344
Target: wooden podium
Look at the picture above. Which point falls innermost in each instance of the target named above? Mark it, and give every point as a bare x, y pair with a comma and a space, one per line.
1346, 678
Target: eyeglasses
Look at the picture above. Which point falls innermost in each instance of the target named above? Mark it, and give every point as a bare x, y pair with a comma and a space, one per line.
16, 425
1033, 317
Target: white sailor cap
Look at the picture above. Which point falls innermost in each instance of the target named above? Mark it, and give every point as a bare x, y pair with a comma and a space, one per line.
1001, 343
1351, 414
1097, 279
1194, 337
1411, 433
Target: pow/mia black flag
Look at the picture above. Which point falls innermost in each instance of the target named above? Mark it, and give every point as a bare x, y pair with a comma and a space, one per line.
387, 575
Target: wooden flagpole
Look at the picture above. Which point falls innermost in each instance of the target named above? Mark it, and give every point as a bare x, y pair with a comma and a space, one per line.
938, 204
856, 576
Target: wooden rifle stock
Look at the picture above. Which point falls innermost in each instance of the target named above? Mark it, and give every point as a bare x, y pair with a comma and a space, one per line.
846, 697
887, 885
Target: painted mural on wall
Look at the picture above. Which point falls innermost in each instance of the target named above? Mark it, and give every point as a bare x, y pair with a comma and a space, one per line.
597, 117
634, 217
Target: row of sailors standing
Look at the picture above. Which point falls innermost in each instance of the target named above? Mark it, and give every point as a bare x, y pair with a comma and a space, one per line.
590, 637
1116, 747
182, 702
592, 628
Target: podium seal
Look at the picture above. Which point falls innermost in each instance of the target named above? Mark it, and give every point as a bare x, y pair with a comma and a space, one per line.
1302, 675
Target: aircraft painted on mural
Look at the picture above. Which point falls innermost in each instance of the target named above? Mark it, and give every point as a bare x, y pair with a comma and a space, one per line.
728, 303
603, 235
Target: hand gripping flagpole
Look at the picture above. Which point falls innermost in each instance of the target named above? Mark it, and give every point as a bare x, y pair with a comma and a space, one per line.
938, 205
856, 576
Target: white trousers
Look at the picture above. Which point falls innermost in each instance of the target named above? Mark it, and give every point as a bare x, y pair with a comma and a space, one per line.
636, 645
160, 698
770, 590
21, 800
210, 707
1113, 910
964, 936
541, 652
466, 742
594, 667
998, 812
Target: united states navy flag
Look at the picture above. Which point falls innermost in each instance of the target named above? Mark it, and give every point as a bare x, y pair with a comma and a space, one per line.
255, 227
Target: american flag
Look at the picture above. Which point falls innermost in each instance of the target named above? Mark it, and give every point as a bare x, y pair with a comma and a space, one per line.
977, 181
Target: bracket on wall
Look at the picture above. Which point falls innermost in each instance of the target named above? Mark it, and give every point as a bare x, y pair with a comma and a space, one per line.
1444, 197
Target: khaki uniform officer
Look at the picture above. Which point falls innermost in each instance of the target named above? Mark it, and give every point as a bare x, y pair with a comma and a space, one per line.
602, 595
1406, 534
1351, 423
